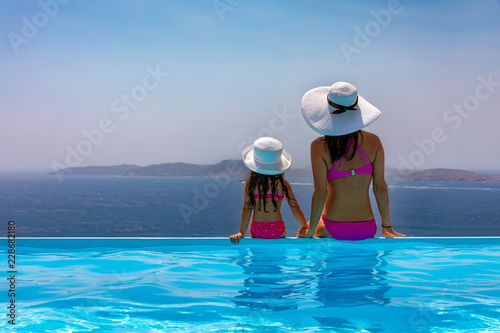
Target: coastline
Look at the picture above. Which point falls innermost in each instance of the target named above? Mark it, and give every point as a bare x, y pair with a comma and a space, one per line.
236, 169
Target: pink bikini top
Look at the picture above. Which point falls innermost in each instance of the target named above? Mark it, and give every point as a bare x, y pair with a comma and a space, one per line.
269, 195
334, 172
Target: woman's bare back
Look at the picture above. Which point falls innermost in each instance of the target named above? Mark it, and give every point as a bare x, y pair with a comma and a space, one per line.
348, 197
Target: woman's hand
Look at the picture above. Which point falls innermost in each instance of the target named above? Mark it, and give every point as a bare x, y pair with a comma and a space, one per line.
390, 233
302, 232
235, 239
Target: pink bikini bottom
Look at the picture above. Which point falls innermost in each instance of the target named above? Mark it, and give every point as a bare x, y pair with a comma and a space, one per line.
267, 229
351, 230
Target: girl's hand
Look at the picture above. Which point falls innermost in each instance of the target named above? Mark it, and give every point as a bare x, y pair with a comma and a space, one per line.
235, 239
390, 233
302, 232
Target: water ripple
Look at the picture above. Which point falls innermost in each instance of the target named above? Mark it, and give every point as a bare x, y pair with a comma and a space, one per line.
318, 288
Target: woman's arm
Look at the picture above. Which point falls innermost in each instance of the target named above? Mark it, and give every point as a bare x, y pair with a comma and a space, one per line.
319, 169
295, 208
246, 213
381, 193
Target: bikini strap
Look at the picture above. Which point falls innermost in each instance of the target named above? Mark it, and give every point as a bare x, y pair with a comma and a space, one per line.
338, 163
363, 155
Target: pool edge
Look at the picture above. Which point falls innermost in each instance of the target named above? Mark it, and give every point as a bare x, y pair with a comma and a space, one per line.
136, 242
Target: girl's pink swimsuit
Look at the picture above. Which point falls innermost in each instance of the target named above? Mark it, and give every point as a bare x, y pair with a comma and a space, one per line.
267, 229
351, 230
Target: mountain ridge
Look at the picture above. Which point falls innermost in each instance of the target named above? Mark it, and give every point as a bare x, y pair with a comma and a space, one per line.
237, 169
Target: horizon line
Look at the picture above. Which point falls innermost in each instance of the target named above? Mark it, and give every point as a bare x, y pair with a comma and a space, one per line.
391, 169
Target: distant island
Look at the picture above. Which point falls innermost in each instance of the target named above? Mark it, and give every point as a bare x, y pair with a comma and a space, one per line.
449, 175
236, 169
226, 168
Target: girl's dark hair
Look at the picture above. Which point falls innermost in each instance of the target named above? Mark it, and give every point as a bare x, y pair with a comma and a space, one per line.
265, 184
338, 145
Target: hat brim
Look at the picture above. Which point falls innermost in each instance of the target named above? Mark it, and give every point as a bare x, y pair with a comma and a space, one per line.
266, 169
317, 114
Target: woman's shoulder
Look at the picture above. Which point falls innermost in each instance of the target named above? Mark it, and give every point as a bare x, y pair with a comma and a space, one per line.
369, 135
319, 139
318, 143
370, 139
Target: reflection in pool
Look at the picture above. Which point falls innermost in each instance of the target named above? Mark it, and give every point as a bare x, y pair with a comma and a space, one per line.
288, 285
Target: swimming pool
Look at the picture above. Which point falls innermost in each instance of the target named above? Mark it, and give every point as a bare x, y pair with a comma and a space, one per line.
286, 285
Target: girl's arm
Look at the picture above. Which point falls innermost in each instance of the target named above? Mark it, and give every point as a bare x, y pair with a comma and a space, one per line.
246, 213
319, 169
381, 193
295, 208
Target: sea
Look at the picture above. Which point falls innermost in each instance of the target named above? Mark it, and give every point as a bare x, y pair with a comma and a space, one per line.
111, 206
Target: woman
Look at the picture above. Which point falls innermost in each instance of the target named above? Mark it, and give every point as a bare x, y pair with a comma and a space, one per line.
344, 162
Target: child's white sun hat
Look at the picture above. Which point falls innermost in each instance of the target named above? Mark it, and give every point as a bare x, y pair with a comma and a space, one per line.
266, 156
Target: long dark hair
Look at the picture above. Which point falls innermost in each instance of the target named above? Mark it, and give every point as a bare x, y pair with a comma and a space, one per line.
265, 184
338, 145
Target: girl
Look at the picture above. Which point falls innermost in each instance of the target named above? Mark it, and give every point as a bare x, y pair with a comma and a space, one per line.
264, 191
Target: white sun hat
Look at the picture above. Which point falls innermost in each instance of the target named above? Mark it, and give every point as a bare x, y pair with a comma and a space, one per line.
266, 156
337, 110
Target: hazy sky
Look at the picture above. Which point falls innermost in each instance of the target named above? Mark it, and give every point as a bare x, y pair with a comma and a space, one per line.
146, 82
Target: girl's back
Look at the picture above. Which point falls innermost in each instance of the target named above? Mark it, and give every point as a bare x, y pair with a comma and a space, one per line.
267, 201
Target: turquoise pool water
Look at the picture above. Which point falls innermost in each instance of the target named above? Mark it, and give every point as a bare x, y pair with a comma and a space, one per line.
287, 285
